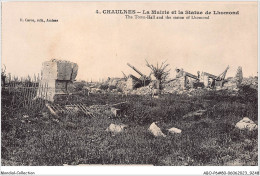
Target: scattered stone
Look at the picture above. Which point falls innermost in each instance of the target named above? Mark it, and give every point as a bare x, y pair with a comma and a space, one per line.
115, 111
116, 128
56, 120
25, 116
155, 130
195, 113
247, 124
174, 130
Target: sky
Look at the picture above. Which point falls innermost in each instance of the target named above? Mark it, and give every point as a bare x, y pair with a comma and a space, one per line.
103, 44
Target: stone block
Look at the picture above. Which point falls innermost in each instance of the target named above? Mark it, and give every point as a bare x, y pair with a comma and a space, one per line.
56, 76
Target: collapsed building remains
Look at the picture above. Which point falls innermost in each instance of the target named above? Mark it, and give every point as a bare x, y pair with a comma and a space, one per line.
134, 82
201, 80
57, 75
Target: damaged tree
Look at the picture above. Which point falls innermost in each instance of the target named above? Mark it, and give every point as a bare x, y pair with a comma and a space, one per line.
160, 73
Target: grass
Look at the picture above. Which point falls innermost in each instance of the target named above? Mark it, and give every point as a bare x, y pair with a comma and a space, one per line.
211, 139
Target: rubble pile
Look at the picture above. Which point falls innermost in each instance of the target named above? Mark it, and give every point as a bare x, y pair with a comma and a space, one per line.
176, 86
172, 87
142, 91
115, 83
231, 84
122, 85
251, 81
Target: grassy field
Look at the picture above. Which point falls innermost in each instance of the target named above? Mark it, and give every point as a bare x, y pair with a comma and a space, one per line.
35, 138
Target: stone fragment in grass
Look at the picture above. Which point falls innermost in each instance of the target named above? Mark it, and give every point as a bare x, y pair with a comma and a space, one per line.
246, 124
195, 113
115, 111
174, 130
25, 116
155, 130
116, 128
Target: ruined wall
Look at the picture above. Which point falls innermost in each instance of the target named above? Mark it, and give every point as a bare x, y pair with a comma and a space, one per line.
56, 76
205, 79
129, 83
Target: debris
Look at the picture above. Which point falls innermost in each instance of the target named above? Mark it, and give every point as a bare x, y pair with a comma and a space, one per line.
186, 79
119, 104
247, 124
155, 130
211, 80
116, 128
115, 111
174, 130
56, 120
134, 82
72, 108
25, 116
56, 75
195, 113
51, 109
231, 84
251, 81
143, 91
173, 86
55, 109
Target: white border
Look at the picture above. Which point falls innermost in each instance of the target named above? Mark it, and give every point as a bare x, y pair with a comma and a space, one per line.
128, 170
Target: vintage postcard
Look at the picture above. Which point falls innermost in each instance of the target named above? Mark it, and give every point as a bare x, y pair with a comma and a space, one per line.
122, 87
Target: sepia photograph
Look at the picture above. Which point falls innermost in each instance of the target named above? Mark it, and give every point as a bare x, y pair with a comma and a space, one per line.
129, 84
